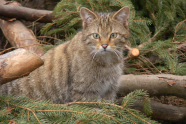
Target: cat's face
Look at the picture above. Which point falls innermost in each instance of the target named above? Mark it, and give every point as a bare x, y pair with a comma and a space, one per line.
105, 32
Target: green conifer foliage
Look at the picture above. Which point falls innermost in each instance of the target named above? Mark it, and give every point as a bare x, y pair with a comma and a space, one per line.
167, 29
23, 110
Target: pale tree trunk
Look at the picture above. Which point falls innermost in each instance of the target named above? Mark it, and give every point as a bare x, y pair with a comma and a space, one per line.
20, 36
156, 85
16, 64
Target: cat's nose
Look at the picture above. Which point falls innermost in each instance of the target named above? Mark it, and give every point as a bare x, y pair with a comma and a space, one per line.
104, 46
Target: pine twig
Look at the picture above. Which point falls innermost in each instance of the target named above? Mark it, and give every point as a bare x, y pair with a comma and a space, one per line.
151, 64
137, 116
146, 64
101, 103
150, 40
176, 29
28, 110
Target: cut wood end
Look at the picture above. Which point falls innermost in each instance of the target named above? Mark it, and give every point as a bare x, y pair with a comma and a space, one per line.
17, 63
135, 52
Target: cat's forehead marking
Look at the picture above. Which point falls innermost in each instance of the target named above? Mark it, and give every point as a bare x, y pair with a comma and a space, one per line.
104, 19
104, 22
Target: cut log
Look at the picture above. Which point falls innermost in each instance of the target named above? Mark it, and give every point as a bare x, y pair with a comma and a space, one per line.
156, 85
165, 112
16, 64
19, 12
133, 52
162, 111
20, 36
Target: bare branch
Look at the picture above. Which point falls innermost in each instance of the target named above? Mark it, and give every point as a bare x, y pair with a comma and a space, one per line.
18, 12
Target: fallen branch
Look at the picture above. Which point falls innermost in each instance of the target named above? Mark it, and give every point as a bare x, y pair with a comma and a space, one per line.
156, 85
162, 111
16, 64
18, 12
20, 36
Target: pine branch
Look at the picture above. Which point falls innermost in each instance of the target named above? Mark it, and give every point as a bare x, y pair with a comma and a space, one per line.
82, 112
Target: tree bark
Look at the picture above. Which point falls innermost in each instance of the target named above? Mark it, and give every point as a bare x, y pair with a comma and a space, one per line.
16, 64
164, 111
18, 12
161, 111
156, 85
19, 36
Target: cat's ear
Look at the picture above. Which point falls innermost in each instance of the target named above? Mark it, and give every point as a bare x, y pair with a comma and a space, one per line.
122, 15
87, 16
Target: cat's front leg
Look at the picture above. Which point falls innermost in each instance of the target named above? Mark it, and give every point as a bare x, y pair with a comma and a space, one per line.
110, 95
85, 96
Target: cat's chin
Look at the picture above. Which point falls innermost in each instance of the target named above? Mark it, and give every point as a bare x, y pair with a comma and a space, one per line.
105, 52
107, 57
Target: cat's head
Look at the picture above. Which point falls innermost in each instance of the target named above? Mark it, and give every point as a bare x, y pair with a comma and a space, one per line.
105, 32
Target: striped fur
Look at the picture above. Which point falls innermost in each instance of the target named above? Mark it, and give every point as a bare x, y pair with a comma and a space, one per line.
80, 69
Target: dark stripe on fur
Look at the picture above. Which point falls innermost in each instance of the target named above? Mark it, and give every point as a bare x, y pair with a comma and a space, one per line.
69, 66
51, 70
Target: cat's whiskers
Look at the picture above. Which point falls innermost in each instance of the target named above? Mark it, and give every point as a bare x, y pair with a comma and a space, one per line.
94, 55
93, 51
119, 55
116, 53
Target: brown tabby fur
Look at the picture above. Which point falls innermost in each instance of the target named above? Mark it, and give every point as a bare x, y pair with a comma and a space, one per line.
80, 69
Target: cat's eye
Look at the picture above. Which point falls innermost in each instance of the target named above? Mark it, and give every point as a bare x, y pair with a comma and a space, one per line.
113, 35
96, 36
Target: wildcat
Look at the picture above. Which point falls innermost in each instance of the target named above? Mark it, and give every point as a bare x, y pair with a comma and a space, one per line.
84, 68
